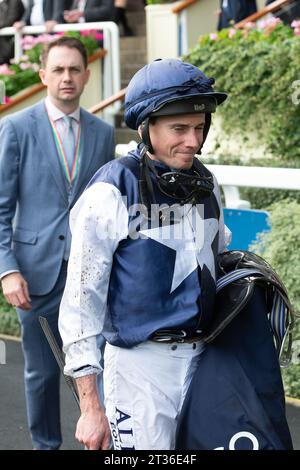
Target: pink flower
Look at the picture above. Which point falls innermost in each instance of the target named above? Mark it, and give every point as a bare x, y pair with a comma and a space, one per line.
7, 100
98, 36
250, 25
25, 66
213, 36
27, 47
4, 70
35, 67
231, 33
86, 32
28, 40
295, 24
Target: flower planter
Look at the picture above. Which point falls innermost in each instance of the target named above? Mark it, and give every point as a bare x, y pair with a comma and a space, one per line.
170, 34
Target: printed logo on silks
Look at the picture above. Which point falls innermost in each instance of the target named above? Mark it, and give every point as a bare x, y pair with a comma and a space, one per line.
122, 430
233, 443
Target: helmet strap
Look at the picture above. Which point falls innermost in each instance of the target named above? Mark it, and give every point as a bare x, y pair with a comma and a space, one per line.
146, 135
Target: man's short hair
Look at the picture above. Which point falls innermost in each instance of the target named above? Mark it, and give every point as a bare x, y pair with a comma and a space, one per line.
64, 41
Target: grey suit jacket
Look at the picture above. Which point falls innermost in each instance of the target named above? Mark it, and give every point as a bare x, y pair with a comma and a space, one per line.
34, 192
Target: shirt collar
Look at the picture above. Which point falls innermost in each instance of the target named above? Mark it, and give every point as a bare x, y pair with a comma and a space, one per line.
56, 113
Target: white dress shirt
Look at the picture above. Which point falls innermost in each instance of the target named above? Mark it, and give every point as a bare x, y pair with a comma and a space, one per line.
37, 13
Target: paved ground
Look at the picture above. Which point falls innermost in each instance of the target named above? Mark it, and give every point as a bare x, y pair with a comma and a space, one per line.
13, 428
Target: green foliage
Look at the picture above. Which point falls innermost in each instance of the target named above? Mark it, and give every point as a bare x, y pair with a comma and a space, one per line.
260, 71
281, 248
88, 40
21, 80
9, 323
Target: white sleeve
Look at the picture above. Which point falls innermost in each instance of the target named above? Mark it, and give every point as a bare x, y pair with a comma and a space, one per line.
224, 232
98, 221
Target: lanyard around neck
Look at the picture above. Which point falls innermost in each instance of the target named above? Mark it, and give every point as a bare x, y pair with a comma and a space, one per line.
70, 174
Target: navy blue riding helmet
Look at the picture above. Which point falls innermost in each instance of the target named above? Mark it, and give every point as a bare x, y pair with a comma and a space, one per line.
169, 87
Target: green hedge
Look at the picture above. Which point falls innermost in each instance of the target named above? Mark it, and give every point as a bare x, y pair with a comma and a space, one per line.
260, 71
9, 323
281, 248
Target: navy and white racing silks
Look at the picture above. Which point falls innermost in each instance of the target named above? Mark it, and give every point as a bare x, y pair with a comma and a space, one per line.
130, 275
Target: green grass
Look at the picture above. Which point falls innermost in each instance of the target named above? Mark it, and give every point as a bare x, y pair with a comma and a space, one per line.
9, 323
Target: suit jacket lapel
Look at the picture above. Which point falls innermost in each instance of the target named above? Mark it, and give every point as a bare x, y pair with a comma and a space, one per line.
88, 140
43, 130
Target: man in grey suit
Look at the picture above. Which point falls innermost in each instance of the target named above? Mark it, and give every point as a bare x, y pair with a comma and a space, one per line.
48, 153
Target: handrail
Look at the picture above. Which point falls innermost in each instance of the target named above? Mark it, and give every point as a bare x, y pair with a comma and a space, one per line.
40, 86
107, 102
111, 63
183, 5
272, 7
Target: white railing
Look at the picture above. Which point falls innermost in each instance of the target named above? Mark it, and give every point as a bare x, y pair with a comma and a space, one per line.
231, 177
111, 62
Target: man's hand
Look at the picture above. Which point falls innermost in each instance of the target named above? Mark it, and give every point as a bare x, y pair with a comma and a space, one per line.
92, 427
18, 25
72, 16
93, 430
49, 25
15, 290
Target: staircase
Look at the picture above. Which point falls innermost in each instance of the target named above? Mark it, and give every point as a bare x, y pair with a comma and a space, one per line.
133, 55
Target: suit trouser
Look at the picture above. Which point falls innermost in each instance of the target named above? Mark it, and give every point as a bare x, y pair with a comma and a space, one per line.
41, 370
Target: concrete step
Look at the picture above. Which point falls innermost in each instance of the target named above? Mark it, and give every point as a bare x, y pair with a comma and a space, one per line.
137, 30
135, 57
133, 43
135, 5
136, 17
128, 70
119, 119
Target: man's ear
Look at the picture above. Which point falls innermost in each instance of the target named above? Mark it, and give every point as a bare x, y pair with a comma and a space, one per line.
42, 74
87, 75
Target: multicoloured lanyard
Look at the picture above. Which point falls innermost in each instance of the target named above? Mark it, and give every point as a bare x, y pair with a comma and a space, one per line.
70, 175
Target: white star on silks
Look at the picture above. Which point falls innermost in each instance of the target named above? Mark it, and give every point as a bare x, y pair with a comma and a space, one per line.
191, 251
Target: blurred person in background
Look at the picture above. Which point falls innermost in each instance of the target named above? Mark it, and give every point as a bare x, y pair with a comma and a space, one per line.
121, 18
10, 12
288, 12
86, 11
233, 11
39, 12
99, 10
